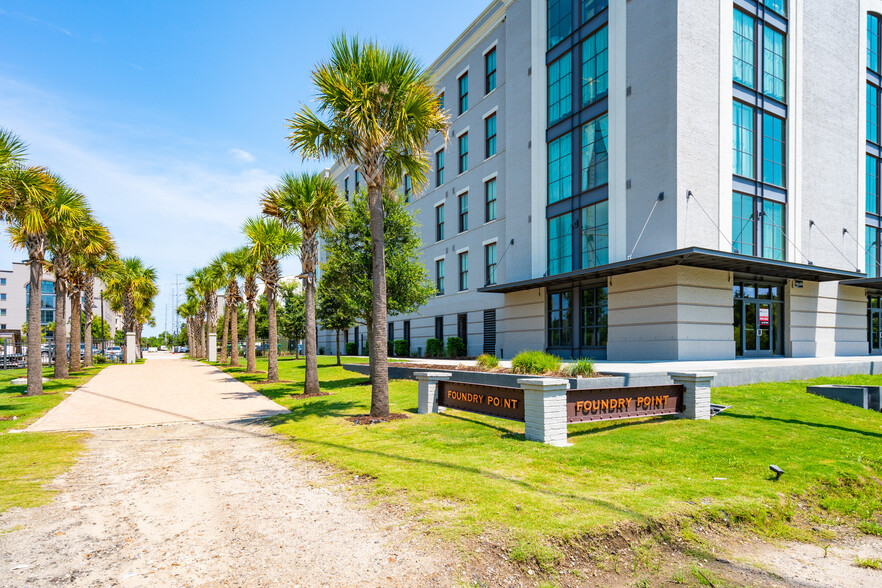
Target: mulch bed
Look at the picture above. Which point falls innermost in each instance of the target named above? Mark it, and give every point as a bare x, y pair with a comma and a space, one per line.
263, 382
312, 395
9, 417
474, 368
366, 419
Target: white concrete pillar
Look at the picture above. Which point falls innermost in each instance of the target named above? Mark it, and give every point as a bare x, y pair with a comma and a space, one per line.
427, 390
212, 347
697, 396
545, 410
131, 348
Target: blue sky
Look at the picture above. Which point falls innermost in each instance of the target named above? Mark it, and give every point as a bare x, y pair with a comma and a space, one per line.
170, 115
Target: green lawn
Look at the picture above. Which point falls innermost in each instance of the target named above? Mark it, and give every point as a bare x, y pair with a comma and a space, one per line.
463, 472
29, 460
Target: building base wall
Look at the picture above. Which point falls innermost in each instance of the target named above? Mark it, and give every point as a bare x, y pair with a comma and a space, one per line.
825, 319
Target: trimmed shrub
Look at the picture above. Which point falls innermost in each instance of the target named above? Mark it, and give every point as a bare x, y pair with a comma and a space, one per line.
580, 367
456, 347
402, 349
390, 348
434, 347
534, 362
488, 361
351, 348
321, 350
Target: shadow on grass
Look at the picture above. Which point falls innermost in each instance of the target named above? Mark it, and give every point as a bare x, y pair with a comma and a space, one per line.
320, 406
621, 424
447, 415
798, 422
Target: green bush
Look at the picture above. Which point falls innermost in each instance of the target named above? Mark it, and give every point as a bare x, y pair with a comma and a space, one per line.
434, 347
534, 362
402, 349
456, 347
390, 348
580, 367
488, 361
321, 350
100, 359
351, 348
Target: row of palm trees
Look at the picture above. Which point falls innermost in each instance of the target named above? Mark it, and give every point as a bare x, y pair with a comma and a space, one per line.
57, 228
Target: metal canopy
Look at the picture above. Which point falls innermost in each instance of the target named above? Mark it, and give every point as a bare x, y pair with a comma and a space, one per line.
692, 257
871, 283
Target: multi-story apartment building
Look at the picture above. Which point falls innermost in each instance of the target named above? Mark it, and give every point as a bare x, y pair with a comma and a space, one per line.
14, 297
668, 179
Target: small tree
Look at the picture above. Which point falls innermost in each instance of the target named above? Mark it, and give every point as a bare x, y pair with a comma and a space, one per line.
349, 264
333, 310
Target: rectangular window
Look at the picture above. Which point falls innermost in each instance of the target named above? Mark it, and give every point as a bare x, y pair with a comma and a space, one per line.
744, 49
490, 65
439, 222
441, 101
490, 132
490, 200
872, 114
439, 168
439, 328
595, 307
462, 329
3, 296
774, 64
439, 277
464, 271
463, 212
357, 180
743, 140
3, 326
742, 224
595, 67
408, 187
560, 244
595, 158
773, 230
560, 21
873, 43
464, 93
407, 334
779, 6
872, 259
591, 8
464, 153
390, 334
346, 187
560, 88
2, 281
773, 150
872, 187
560, 319
2, 312
490, 264
595, 234
560, 168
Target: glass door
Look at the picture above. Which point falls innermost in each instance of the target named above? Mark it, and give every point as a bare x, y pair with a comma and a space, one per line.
874, 324
758, 311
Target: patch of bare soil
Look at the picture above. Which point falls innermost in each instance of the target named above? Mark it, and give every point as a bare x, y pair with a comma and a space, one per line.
366, 419
265, 382
309, 395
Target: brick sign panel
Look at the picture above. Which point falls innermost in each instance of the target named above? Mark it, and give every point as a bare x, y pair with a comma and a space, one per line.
498, 401
623, 403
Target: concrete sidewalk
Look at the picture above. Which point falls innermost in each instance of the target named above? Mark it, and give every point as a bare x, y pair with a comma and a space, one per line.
165, 389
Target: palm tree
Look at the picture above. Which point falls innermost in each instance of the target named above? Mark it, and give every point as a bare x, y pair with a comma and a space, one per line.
311, 203
270, 242
238, 262
42, 206
97, 242
135, 284
381, 106
250, 266
222, 261
198, 282
97, 265
188, 311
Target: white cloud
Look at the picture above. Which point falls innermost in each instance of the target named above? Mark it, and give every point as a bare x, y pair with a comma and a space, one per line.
241, 155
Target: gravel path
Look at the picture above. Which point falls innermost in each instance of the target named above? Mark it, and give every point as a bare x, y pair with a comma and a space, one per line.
210, 504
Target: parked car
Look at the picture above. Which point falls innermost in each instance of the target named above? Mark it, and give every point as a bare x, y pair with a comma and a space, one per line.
113, 353
152, 349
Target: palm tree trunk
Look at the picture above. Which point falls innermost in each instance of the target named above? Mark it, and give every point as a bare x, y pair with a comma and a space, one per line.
311, 382
203, 343
88, 295
76, 330
338, 347
60, 329
138, 330
378, 354
191, 340
222, 356
234, 334
250, 343
35, 362
272, 372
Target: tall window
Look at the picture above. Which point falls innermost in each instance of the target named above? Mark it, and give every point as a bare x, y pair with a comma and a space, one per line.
762, 237
441, 101
490, 200
560, 244
873, 36
463, 212
490, 133
560, 88
873, 257
872, 114
591, 8
743, 140
490, 67
774, 64
464, 271
595, 234
439, 276
594, 317
346, 187
357, 181
490, 264
743, 59
773, 230
560, 168
560, 21
439, 222
595, 67
742, 224
595, 158
773, 150
439, 167
872, 184
560, 319
779, 6
464, 92
463, 153
439, 328
408, 187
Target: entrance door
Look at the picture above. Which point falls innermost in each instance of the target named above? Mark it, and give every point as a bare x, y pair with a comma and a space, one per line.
758, 320
874, 324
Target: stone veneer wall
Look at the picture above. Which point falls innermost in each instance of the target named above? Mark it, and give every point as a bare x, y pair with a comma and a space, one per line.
825, 319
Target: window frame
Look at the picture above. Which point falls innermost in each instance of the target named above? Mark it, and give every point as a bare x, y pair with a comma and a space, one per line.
490, 267
463, 201
439, 167
490, 74
490, 139
463, 86
462, 258
439, 276
490, 204
463, 142
439, 222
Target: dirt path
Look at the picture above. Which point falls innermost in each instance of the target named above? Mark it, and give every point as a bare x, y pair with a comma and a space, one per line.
213, 504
